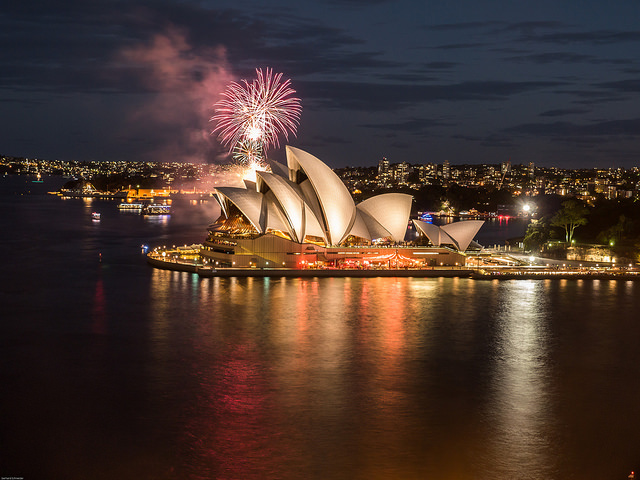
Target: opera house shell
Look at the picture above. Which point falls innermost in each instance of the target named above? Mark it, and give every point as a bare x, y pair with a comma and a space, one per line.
301, 214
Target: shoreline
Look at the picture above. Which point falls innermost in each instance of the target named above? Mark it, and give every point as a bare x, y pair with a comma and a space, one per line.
205, 271
460, 272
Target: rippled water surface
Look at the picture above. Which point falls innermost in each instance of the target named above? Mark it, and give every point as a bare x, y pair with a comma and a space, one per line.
111, 369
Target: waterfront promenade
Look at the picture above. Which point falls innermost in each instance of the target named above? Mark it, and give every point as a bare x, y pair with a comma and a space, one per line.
171, 262
186, 259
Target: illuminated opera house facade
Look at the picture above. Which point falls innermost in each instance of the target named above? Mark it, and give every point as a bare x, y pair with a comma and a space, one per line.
301, 215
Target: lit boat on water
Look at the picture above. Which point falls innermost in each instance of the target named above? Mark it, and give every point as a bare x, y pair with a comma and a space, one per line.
95, 215
156, 209
130, 206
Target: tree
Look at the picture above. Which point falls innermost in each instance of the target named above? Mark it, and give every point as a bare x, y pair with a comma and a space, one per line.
537, 235
615, 233
573, 214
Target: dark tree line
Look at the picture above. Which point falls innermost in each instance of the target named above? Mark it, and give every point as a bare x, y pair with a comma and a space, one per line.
615, 223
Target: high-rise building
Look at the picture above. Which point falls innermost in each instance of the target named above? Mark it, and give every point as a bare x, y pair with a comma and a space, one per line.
446, 170
383, 166
402, 172
384, 172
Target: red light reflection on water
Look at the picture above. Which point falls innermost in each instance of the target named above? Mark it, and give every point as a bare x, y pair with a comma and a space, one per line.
382, 339
232, 428
98, 312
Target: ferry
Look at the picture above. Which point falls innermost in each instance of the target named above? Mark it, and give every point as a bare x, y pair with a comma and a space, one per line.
95, 215
130, 206
156, 209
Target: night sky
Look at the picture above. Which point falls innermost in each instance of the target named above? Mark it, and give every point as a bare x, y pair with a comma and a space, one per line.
553, 82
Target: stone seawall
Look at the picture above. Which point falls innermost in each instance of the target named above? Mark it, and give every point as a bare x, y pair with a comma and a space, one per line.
289, 272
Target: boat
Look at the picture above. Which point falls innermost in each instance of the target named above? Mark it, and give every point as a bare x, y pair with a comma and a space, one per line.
38, 179
130, 206
95, 215
156, 209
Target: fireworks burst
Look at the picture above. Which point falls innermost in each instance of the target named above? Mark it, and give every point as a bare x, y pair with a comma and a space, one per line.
248, 152
257, 113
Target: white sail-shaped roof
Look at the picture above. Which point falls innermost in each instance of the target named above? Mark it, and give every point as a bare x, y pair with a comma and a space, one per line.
391, 210
376, 230
338, 209
310, 198
249, 202
458, 234
359, 228
434, 233
278, 168
463, 232
248, 184
312, 225
275, 218
289, 196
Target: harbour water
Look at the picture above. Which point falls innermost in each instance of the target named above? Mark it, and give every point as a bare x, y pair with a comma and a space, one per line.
112, 369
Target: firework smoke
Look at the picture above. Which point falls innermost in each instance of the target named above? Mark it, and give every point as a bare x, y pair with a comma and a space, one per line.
179, 81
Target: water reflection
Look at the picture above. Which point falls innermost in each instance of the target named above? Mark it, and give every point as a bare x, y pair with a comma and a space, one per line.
518, 412
99, 314
371, 378
162, 220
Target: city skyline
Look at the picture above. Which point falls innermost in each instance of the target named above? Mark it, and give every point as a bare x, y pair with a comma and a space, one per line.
466, 83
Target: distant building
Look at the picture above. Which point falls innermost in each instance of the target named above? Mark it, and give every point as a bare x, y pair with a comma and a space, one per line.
384, 172
383, 167
402, 172
147, 193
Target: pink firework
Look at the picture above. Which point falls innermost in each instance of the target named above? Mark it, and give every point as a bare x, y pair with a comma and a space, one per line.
259, 112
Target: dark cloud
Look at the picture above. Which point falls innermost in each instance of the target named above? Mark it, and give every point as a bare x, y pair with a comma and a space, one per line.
378, 97
491, 140
400, 145
468, 138
622, 86
591, 96
441, 65
445, 27
563, 112
596, 37
357, 3
407, 77
415, 126
609, 128
529, 28
496, 140
459, 46
320, 139
566, 58
88, 38
512, 50
557, 57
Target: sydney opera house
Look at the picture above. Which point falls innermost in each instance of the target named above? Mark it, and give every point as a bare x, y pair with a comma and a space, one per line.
301, 215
